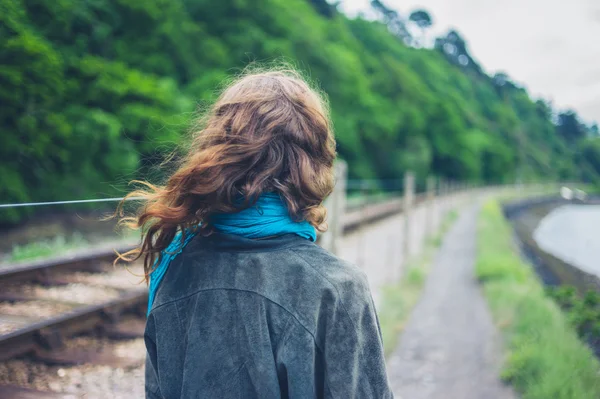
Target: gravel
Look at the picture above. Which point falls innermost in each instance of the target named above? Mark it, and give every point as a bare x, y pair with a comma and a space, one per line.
83, 381
86, 381
131, 349
28, 310
75, 292
84, 288
9, 326
33, 309
119, 277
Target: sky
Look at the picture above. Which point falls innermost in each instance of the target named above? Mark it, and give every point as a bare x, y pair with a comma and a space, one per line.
552, 47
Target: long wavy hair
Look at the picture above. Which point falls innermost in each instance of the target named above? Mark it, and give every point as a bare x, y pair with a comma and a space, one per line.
267, 132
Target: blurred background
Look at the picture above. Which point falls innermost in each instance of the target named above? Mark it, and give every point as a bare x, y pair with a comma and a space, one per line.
466, 95
113, 84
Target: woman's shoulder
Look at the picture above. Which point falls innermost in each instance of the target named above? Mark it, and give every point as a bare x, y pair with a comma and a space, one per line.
334, 297
333, 268
341, 279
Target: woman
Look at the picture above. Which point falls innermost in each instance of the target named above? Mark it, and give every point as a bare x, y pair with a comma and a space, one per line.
243, 303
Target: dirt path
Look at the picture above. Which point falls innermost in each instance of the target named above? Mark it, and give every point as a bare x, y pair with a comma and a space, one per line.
449, 348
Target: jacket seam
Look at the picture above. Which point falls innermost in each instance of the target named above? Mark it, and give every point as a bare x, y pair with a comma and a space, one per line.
178, 318
156, 390
292, 317
185, 353
333, 285
288, 334
239, 290
155, 394
343, 306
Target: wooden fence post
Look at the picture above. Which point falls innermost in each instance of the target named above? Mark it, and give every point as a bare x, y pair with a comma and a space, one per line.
430, 227
336, 207
361, 245
409, 194
446, 195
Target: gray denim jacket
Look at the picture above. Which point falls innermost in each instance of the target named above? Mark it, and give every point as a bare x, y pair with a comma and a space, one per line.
274, 318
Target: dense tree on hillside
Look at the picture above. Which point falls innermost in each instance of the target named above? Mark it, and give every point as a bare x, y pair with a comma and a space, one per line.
454, 48
325, 8
589, 159
570, 128
395, 23
95, 93
423, 20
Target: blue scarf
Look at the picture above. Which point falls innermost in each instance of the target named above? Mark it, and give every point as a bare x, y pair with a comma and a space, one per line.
268, 217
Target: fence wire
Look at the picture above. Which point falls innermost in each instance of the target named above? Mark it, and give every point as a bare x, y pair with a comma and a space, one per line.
86, 201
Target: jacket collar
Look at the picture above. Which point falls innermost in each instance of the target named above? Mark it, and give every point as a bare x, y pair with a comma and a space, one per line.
235, 243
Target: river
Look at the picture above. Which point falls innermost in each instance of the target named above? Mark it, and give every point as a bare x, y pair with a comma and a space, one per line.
572, 234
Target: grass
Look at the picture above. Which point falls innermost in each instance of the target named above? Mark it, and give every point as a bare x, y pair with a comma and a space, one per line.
545, 359
45, 249
583, 311
398, 299
56, 246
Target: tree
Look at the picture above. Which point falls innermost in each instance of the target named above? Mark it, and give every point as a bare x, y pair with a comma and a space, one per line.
95, 93
395, 23
423, 20
570, 128
589, 159
500, 79
454, 48
325, 8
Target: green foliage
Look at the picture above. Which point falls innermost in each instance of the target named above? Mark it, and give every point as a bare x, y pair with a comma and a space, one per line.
95, 93
545, 357
421, 18
589, 160
45, 249
584, 312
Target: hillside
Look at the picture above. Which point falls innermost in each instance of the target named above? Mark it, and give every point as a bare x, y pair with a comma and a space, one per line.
95, 93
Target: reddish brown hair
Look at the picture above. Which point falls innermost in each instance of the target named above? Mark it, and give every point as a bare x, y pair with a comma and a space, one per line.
267, 132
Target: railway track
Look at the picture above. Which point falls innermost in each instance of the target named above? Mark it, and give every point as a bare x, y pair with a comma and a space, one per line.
54, 313
44, 303
65, 312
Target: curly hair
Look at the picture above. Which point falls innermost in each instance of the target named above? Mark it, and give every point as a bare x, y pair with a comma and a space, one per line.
267, 132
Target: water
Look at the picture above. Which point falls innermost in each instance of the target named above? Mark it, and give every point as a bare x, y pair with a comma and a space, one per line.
572, 234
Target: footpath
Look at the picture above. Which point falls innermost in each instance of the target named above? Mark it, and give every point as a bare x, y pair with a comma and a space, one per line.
450, 348
379, 248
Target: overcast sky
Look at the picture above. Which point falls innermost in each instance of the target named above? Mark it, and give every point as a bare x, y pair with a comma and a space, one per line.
552, 47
